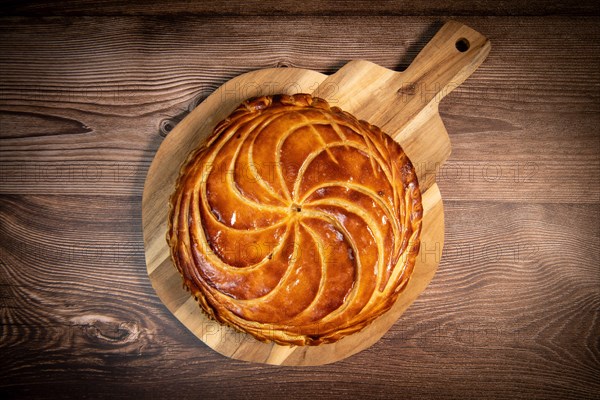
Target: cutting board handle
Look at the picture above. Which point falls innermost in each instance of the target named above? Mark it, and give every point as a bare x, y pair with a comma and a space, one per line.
446, 61
402, 102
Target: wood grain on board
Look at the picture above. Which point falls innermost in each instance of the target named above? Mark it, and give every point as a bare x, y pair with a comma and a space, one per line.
511, 312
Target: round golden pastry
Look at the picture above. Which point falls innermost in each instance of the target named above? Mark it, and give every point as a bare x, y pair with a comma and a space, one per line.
295, 222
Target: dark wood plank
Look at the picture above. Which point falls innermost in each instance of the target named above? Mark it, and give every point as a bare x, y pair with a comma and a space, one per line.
289, 7
504, 316
88, 100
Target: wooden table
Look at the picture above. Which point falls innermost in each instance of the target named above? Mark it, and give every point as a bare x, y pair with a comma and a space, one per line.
87, 95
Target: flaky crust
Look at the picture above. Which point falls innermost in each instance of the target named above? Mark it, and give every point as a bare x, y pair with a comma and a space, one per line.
295, 222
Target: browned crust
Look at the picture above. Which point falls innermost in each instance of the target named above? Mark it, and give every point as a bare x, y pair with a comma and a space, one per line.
212, 301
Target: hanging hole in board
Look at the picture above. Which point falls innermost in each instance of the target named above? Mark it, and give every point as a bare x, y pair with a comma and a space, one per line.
462, 45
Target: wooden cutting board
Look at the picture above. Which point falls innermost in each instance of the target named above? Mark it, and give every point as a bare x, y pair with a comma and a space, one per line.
403, 104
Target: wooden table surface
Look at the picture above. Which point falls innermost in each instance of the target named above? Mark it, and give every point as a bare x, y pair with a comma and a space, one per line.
87, 95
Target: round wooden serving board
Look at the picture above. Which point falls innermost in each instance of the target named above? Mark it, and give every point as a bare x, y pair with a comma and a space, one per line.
403, 104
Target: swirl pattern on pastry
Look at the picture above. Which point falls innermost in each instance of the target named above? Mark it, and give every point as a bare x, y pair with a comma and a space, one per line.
295, 222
